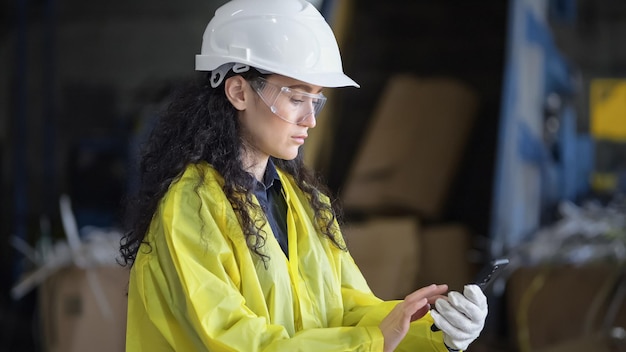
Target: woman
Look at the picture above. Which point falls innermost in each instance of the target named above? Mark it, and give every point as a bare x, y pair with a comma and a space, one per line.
234, 245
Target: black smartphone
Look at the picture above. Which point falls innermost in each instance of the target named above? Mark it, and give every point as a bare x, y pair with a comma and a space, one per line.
487, 275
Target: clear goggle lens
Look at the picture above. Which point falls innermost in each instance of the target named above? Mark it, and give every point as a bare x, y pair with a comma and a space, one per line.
291, 105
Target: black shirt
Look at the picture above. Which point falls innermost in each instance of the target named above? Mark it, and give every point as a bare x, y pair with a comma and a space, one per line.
270, 196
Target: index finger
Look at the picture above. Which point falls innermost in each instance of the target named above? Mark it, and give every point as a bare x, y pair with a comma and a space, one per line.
434, 298
429, 292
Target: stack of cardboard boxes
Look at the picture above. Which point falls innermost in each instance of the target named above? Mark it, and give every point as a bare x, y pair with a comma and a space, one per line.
400, 182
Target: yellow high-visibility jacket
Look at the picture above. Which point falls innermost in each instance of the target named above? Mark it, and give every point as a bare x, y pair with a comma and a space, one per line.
197, 287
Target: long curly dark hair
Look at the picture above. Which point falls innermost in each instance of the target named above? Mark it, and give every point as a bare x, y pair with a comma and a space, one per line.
200, 124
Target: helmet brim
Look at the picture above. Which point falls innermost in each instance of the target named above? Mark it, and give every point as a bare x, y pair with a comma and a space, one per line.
322, 79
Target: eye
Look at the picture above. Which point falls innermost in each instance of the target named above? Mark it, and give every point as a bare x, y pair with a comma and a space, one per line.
297, 98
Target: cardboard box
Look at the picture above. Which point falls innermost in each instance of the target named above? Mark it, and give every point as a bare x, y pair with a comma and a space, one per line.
412, 148
554, 307
387, 252
444, 258
593, 342
71, 317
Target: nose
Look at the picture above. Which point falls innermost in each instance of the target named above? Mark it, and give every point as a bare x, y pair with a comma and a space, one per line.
309, 121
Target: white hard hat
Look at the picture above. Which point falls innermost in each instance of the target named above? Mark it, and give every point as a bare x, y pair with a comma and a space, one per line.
286, 37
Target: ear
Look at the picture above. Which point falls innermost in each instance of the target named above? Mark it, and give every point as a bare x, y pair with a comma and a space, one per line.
234, 87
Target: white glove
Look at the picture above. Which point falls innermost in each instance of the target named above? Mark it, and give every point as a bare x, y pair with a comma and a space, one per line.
461, 317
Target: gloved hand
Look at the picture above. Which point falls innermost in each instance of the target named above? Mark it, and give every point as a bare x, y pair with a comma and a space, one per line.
461, 317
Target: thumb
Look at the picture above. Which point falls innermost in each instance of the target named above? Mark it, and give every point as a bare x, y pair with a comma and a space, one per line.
475, 295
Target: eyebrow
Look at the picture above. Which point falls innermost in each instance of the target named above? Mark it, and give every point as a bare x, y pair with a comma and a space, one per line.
304, 88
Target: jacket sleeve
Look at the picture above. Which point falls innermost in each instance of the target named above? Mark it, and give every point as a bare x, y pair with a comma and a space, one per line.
363, 308
189, 284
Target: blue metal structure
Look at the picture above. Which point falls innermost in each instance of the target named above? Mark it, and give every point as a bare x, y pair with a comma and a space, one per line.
541, 158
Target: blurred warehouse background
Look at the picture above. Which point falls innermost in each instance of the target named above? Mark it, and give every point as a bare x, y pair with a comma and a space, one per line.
481, 129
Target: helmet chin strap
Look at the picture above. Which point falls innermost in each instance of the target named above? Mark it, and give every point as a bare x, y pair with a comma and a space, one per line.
218, 74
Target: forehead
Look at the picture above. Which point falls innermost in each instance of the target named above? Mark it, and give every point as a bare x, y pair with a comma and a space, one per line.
293, 83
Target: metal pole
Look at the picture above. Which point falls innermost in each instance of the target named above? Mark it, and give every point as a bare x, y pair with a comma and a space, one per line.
20, 141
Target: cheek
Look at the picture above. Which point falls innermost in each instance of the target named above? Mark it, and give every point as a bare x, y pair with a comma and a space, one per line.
261, 130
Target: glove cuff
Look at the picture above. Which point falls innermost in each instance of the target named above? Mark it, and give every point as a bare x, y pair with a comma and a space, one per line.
450, 349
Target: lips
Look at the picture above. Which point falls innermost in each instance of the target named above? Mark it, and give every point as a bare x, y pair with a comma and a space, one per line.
300, 138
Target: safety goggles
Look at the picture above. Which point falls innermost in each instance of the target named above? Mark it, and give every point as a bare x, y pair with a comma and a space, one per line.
291, 105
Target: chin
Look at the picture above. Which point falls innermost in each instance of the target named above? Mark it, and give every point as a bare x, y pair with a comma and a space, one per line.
290, 155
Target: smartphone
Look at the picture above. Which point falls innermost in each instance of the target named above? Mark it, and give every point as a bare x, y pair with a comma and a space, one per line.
487, 275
